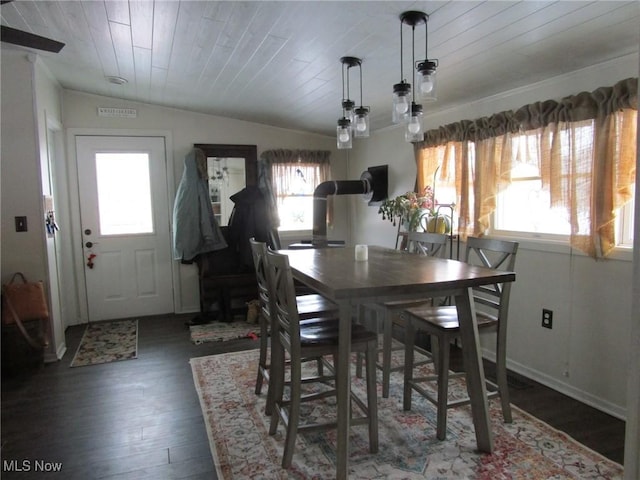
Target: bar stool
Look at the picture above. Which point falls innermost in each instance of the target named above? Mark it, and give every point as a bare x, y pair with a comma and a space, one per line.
309, 306
441, 323
299, 341
421, 243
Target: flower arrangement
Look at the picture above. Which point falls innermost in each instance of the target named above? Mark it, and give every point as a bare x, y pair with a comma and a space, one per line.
410, 207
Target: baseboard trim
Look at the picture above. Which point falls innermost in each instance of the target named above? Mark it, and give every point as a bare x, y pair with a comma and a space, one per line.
562, 387
50, 357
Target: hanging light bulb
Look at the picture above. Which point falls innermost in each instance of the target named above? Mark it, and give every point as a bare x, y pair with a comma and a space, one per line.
347, 108
401, 102
414, 131
343, 133
401, 91
426, 78
361, 129
361, 114
426, 71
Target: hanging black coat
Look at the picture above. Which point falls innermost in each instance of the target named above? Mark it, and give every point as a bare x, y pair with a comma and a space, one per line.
249, 218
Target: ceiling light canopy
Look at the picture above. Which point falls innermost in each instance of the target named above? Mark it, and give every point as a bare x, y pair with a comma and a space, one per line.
355, 120
405, 109
116, 80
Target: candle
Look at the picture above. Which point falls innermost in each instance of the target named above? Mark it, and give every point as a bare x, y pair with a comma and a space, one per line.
362, 253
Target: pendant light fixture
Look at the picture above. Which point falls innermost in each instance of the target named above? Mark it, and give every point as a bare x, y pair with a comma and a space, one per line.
405, 109
355, 120
361, 113
426, 70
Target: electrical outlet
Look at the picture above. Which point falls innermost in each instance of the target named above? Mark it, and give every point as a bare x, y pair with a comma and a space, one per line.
21, 224
547, 318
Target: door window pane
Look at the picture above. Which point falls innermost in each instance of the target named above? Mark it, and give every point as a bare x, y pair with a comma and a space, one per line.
124, 193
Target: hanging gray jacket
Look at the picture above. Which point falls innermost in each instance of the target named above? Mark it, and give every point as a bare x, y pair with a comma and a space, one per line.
195, 229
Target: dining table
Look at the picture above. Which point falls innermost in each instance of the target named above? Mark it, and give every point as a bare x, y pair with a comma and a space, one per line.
385, 275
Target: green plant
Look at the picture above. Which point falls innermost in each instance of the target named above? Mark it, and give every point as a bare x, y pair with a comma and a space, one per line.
410, 207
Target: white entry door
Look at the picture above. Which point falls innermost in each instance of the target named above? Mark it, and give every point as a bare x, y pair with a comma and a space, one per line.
126, 239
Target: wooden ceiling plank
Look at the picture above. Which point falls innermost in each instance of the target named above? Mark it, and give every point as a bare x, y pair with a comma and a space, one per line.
118, 11
96, 17
165, 16
123, 47
141, 24
142, 63
190, 15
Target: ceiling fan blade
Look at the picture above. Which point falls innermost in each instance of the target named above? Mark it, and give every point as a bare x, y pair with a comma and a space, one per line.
26, 39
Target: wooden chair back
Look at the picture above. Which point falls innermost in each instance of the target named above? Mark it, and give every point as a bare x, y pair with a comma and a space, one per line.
284, 306
499, 255
259, 252
425, 243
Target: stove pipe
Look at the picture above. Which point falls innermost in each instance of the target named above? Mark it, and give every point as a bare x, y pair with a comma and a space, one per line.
372, 183
320, 194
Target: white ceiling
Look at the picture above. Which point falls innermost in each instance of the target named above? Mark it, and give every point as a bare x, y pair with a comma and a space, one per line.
278, 62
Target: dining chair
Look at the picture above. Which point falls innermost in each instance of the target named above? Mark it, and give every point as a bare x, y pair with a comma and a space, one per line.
491, 303
421, 243
300, 340
309, 306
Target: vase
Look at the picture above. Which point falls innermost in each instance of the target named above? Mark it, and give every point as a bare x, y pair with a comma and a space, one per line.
438, 224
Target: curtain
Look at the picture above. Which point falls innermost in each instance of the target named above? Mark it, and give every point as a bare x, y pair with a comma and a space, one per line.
584, 146
276, 174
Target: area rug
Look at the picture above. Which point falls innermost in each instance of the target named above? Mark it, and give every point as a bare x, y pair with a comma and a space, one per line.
242, 448
223, 331
105, 342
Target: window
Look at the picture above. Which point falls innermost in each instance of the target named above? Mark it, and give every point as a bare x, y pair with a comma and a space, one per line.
525, 206
292, 176
625, 224
124, 201
296, 183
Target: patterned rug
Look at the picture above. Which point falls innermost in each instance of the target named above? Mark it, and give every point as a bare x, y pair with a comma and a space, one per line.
105, 342
242, 449
223, 331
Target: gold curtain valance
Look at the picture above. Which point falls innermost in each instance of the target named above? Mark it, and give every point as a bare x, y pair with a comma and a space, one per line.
583, 106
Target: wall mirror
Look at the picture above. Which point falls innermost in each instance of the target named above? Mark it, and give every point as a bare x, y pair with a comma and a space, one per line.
230, 169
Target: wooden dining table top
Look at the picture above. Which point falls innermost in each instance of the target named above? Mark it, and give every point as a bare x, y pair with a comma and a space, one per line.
336, 273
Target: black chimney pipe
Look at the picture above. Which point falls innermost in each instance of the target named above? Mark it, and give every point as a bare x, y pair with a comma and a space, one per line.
331, 187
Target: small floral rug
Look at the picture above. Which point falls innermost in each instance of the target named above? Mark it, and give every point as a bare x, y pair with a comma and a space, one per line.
223, 331
242, 448
105, 342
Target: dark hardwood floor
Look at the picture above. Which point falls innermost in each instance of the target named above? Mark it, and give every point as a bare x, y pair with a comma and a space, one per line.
141, 419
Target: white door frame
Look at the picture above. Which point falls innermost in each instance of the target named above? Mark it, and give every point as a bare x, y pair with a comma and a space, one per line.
74, 198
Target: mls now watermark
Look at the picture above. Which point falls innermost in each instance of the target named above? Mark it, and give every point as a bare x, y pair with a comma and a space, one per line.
30, 466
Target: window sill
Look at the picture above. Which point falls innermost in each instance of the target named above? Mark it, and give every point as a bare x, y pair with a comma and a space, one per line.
620, 253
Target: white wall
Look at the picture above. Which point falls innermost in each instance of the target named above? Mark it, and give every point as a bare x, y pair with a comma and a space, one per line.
21, 251
30, 101
585, 354
187, 128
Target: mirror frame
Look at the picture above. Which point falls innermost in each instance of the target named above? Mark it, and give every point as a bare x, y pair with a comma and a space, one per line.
248, 152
